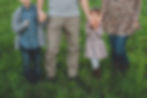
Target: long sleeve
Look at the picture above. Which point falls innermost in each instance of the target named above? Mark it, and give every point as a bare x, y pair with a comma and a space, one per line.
17, 25
137, 9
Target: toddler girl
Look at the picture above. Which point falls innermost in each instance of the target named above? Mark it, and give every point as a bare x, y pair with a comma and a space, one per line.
95, 47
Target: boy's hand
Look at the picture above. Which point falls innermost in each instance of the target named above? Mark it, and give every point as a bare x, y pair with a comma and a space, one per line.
26, 23
41, 16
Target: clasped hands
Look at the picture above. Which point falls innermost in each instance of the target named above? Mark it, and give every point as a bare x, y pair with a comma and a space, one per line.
41, 16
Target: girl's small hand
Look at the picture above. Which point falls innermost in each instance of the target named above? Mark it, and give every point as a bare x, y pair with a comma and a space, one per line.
91, 21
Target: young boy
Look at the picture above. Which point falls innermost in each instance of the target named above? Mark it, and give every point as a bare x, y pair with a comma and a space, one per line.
29, 38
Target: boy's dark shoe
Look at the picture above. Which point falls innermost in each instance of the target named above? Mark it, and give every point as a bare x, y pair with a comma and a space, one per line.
29, 77
124, 68
116, 66
32, 77
37, 76
97, 73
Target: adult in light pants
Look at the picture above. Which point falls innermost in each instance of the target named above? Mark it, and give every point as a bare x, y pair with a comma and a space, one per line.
63, 14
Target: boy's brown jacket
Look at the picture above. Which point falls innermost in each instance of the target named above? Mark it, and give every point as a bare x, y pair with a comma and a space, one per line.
120, 16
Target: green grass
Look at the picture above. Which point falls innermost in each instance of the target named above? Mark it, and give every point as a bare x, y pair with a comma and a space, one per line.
13, 85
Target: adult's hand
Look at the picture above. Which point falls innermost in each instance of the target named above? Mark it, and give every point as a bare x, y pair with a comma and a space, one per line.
41, 14
86, 9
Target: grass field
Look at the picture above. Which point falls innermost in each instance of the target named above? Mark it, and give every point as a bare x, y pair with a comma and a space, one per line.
13, 85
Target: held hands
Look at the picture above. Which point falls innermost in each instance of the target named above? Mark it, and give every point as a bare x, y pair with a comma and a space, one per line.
41, 16
92, 22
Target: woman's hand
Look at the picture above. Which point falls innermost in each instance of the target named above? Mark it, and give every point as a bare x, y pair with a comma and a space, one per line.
136, 25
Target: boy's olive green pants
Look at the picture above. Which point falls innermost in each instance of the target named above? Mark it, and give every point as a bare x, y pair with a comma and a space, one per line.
70, 27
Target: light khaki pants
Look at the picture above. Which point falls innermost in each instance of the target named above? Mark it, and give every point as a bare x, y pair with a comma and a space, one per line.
55, 30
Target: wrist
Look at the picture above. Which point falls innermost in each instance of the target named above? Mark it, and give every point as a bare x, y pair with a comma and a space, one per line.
39, 9
87, 15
